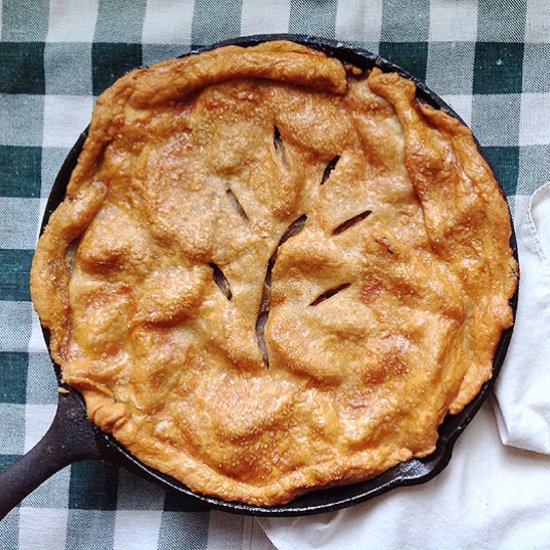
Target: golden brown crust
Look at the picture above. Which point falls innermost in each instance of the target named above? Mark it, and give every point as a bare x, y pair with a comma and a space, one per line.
386, 307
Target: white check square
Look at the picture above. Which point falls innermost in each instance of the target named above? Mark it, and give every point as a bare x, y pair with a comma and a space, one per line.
537, 26
535, 119
359, 21
462, 104
65, 116
136, 529
38, 418
453, 21
167, 22
255, 21
72, 21
43, 528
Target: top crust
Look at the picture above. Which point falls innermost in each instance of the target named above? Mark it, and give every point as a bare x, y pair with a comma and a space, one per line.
385, 305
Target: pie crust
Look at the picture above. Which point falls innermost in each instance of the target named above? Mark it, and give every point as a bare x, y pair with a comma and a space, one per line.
384, 302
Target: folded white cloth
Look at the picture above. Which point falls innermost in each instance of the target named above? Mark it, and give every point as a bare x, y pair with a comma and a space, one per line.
490, 495
523, 386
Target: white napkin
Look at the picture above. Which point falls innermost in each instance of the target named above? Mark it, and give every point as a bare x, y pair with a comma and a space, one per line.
490, 495
523, 386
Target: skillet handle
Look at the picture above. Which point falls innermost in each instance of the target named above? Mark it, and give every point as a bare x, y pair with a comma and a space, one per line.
70, 438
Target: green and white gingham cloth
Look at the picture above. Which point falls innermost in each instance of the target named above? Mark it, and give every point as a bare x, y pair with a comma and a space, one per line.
490, 59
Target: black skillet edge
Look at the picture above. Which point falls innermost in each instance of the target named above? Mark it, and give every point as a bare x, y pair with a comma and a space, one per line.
413, 472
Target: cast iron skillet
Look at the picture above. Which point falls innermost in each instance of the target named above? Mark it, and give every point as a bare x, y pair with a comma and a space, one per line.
74, 437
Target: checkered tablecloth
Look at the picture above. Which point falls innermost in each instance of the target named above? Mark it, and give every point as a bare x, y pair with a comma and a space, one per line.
490, 59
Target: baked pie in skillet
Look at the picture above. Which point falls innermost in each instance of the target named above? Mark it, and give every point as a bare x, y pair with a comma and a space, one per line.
273, 272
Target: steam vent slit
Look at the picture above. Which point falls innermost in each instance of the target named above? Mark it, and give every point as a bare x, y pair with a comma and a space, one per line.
221, 280
329, 168
329, 294
279, 147
293, 229
351, 222
238, 206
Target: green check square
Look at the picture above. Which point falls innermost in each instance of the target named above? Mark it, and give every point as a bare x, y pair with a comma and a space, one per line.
498, 68
20, 171
411, 56
22, 68
93, 485
14, 275
6, 460
505, 164
176, 502
13, 377
110, 61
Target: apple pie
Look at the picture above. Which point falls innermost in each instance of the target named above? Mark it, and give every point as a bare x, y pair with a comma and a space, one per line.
274, 272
